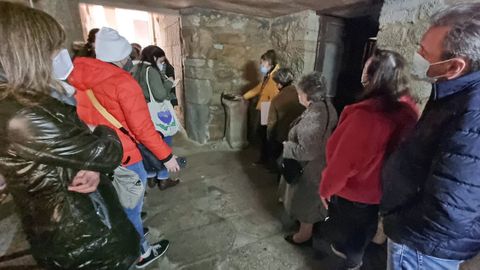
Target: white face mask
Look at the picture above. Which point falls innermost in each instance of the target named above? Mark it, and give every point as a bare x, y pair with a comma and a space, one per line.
62, 65
70, 90
160, 65
421, 66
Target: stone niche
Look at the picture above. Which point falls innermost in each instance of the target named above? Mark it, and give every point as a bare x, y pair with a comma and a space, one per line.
222, 51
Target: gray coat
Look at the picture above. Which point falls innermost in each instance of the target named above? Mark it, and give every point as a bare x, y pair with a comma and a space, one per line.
306, 143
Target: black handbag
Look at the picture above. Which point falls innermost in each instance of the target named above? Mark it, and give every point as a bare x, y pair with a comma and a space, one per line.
291, 170
150, 161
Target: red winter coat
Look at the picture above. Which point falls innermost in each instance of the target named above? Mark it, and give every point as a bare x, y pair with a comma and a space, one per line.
121, 95
358, 147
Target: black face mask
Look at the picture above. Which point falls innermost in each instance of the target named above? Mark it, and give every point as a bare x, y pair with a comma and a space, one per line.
129, 65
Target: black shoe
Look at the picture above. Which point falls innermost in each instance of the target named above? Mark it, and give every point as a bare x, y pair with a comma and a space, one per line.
289, 239
153, 253
152, 182
338, 252
349, 264
146, 231
168, 183
143, 215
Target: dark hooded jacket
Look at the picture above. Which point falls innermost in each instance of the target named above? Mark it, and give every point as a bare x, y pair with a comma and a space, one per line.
42, 147
431, 184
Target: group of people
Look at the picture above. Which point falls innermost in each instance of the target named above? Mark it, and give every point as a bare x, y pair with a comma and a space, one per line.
377, 165
66, 129
381, 167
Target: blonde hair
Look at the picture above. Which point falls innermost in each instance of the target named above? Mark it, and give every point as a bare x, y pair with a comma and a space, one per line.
29, 37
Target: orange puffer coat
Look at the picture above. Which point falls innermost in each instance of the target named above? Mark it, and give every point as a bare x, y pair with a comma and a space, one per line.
121, 95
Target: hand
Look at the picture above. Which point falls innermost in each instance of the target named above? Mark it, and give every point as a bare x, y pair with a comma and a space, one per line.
85, 182
325, 201
172, 165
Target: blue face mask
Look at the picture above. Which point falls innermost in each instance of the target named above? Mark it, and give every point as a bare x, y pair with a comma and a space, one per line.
264, 70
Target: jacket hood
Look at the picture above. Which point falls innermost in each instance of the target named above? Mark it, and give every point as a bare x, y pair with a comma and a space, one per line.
89, 72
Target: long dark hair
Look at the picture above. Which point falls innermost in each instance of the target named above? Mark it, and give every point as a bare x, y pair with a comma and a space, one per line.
387, 78
271, 57
150, 53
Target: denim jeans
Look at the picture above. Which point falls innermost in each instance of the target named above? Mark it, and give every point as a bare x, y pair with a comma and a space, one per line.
163, 174
134, 215
401, 257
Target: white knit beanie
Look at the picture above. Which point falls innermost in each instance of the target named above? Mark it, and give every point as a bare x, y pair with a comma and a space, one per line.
110, 46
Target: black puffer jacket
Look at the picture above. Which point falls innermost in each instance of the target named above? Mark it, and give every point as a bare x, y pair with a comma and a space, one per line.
41, 149
431, 198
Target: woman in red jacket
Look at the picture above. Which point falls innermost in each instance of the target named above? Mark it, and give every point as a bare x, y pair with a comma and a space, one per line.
119, 93
367, 132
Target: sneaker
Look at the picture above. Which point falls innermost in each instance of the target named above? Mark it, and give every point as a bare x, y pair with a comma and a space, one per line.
337, 252
168, 183
356, 267
350, 265
152, 182
153, 253
143, 216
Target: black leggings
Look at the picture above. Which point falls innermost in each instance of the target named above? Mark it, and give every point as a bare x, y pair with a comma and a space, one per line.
351, 227
262, 132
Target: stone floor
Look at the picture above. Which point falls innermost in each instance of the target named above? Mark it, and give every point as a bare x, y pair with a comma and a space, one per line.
224, 215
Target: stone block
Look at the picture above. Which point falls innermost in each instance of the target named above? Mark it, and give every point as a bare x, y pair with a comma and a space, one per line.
429, 8
222, 87
192, 62
224, 74
198, 91
216, 124
230, 38
191, 20
196, 121
393, 35
198, 42
394, 11
201, 73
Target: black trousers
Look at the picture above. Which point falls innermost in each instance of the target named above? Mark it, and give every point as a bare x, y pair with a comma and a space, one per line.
350, 227
264, 153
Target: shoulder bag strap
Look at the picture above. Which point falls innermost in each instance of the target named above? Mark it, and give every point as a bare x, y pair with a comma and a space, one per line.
147, 78
108, 116
328, 117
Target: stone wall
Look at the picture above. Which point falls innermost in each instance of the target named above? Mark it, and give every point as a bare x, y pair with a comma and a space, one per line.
168, 31
221, 53
402, 24
294, 37
67, 14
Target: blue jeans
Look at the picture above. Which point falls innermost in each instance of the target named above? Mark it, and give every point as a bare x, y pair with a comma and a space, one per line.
401, 257
163, 174
134, 215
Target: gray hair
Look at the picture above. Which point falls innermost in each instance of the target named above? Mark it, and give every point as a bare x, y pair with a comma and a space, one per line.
463, 39
284, 76
314, 86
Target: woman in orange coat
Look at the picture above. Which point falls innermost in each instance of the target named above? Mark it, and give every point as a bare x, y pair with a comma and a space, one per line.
119, 93
266, 91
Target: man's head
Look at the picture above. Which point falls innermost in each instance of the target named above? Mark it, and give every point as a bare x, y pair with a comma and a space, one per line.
452, 43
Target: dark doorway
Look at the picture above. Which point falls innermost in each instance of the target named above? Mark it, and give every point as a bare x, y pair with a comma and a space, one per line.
346, 37
358, 39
